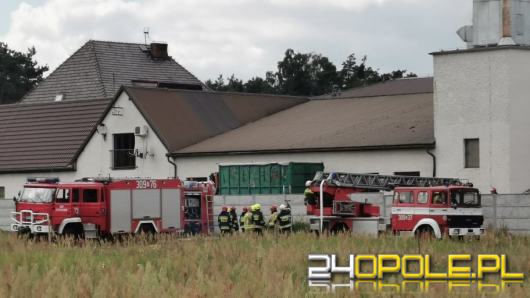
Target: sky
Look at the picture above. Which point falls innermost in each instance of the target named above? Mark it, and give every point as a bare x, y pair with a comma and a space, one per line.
243, 37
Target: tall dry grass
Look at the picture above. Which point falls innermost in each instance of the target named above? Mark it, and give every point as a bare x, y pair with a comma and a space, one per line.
237, 266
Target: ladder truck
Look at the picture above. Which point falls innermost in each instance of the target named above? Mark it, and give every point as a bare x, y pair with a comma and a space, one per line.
421, 206
93, 208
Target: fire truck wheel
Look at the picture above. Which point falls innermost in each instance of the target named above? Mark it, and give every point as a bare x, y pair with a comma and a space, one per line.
425, 232
339, 228
74, 231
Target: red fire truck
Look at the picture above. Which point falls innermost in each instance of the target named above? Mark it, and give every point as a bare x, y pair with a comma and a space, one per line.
96, 207
421, 205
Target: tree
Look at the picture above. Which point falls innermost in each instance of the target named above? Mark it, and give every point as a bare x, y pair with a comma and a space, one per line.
309, 74
18, 73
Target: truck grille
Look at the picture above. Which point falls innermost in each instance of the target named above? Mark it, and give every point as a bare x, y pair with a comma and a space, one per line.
465, 221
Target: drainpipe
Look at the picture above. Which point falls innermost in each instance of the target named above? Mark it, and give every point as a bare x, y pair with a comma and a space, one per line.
433, 162
174, 165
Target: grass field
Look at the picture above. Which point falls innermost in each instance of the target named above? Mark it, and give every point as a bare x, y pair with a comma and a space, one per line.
236, 266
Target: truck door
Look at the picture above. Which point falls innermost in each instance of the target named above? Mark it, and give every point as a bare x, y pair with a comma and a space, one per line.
92, 208
439, 206
403, 211
62, 207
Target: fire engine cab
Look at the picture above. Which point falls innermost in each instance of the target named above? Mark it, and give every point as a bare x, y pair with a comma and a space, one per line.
420, 205
96, 207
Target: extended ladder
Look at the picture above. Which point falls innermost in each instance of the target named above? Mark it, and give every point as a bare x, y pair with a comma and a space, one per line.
383, 182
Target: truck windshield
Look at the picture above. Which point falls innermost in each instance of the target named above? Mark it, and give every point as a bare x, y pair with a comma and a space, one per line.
37, 195
465, 198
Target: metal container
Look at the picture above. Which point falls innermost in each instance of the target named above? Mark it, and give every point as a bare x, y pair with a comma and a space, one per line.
271, 178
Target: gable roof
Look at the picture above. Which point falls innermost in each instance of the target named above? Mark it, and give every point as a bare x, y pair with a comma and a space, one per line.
385, 122
99, 68
182, 118
46, 136
387, 88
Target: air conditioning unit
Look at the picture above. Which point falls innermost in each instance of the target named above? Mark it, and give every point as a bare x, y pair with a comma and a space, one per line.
141, 131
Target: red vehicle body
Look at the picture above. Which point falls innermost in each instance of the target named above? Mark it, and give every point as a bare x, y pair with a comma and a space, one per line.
102, 207
451, 208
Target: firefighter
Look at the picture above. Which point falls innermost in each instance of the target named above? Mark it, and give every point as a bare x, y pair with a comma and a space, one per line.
233, 219
309, 195
242, 219
285, 219
224, 221
248, 225
271, 224
257, 219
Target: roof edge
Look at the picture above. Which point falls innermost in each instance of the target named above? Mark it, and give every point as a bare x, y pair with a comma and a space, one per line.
69, 168
305, 150
481, 49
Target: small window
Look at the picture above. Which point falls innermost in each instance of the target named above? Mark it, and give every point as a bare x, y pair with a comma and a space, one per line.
472, 153
409, 174
75, 195
439, 198
403, 197
90, 195
62, 196
123, 152
423, 197
2, 192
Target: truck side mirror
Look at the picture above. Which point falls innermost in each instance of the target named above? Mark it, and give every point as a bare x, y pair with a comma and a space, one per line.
15, 199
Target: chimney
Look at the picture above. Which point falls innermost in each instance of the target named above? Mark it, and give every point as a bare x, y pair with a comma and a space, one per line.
158, 50
506, 24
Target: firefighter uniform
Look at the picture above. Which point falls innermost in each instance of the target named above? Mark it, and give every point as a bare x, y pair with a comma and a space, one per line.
271, 224
257, 219
285, 219
248, 224
242, 219
234, 223
224, 222
309, 195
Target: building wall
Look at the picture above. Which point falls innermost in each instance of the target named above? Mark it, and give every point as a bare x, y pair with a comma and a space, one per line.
95, 160
382, 162
483, 94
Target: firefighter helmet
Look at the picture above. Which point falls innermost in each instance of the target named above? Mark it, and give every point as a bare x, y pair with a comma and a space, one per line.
274, 208
245, 209
308, 183
224, 209
283, 207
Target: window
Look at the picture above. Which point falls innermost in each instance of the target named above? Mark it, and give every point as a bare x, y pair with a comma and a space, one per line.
90, 195
62, 196
403, 197
409, 174
439, 198
423, 197
472, 153
2, 192
123, 152
75, 195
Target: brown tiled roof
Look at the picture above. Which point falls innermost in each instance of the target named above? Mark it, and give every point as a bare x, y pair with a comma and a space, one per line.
45, 136
387, 88
99, 68
400, 121
182, 118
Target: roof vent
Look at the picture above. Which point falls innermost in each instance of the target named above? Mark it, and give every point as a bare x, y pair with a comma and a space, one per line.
159, 50
59, 97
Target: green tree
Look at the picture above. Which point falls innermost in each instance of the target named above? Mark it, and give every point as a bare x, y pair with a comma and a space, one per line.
306, 74
19, 73
260, 85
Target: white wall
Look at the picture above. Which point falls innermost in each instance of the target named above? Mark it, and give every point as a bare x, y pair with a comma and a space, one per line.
383, 162
95, 160
484, 94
